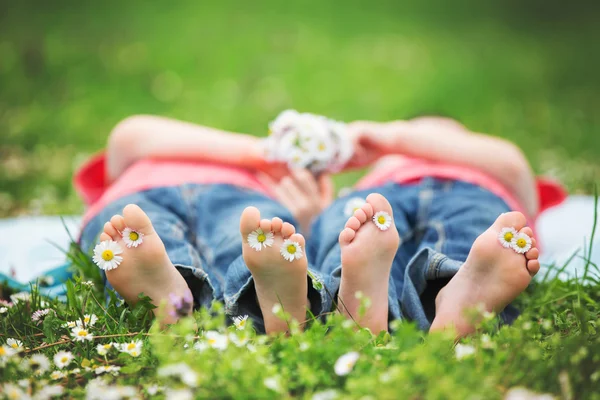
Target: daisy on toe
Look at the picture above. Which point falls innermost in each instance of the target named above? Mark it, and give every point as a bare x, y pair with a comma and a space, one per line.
132, 238
506, 236
382, 220
291, 250
258, 239
521, 243
106, 255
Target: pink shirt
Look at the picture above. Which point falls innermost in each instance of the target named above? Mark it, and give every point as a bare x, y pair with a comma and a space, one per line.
91, 184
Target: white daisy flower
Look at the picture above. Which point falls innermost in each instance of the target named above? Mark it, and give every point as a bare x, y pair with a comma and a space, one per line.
106, 255
70, 324
63, 358
132, 238
506, 236
463, 351
179, 394
13, 392
182, 371
81, 334
237, 340
107, 369
291, 250
103, 349
216, 340
39, 315
240, 322
6, 352
276, 309
88, 320
258, 239
15, 344
521, 243
200, 346
57, 375
39, 363
345, 363
272, 383
329, 394
21, 297
352, 205
3, 310
133, 348
49, 391
382, 220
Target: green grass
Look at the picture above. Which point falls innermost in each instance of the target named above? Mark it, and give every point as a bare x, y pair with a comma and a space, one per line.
527, 71
69, 71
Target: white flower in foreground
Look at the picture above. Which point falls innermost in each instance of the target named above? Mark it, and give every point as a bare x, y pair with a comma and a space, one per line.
330, 394
39, 363
382, 220
345, 363
521, 243
15, 344
519, 393
258, 239
88, 320
6, 352
81, 334
3, 310
133, 348
154, 389
103, 349
272, 383
112, 369
352, 205
216, 340
291, 250
70, 324
182, 371
57, 375
240, 322
49, 391
13, 392
132, 238
63, 358
277, 309
463, 351
21, 297
106, 255
39, 315
239, 341
506, 236
179, 394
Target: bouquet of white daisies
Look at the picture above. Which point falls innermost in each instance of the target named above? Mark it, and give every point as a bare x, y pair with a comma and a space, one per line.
304, 140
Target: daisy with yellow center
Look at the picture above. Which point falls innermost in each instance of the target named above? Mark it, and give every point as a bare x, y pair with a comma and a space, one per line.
345, 363
216, 340
132, 238
6, 351
57, 375
103, 349
81, 334
106, 255
15, 344
352, 205
382, 220
521, 243
240, 322
506, 236
258, 239
133, 348
291, 250
63, 358
88, 320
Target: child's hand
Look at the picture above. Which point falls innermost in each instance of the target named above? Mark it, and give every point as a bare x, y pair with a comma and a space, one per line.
303, 194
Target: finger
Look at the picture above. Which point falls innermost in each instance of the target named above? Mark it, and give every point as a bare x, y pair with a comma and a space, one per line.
305, 181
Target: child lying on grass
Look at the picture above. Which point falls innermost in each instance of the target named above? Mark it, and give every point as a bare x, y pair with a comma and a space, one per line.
170, 194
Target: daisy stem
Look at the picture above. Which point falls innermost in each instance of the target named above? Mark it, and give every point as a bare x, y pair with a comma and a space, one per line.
103, 309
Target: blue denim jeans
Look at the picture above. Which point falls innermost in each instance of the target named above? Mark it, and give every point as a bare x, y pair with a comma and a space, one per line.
199, 225
437, 220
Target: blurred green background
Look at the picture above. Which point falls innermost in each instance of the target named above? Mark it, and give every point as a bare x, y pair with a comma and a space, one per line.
70, 70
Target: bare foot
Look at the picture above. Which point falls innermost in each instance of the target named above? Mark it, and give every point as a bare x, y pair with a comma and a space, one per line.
145, 268
277, 280
492, 276
367, 256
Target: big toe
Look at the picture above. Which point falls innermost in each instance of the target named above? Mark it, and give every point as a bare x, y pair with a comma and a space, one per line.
249, 221
136, 219
379, 203
512, 219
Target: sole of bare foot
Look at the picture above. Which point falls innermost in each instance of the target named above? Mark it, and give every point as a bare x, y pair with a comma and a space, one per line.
276, 280
367, 255
492, 277
145, 268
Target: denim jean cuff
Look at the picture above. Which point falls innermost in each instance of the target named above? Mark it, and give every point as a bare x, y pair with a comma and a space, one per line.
199, 284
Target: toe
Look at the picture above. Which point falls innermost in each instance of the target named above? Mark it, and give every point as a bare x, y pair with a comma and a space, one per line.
353, 223
533, 266
118, 222
249, 221
105, 236
137, 219
379, 203
360, 215
296, 237
512, 219
346, 236
368, 210
287, 229
532, 254
110, 230
265, 225
527, 230
276, 224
